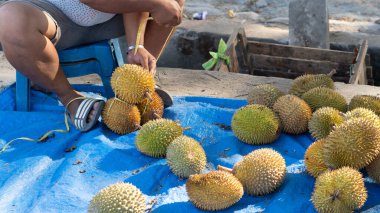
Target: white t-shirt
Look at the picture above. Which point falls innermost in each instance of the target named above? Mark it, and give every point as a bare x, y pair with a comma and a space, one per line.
80, 13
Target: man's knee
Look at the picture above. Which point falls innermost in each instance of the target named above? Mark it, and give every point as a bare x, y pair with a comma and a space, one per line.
15, 23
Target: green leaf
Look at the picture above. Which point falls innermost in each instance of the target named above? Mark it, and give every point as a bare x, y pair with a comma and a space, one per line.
209, 64
222, 47
214, 55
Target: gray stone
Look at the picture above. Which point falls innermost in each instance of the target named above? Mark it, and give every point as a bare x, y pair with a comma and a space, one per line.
261, 3
308, 23
377, 21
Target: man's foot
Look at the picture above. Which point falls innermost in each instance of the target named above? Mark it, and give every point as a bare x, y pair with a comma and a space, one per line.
83, 112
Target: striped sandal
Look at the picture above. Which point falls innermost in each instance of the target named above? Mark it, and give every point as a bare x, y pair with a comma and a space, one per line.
83, 111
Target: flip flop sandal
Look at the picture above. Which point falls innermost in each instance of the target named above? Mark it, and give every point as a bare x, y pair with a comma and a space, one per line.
83, 111
166, 98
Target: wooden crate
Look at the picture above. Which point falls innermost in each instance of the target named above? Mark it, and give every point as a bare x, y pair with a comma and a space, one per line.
267, 59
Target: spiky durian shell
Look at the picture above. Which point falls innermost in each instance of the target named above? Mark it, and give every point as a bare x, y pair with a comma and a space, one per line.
294, 114
307, 82
261, 171
264, 94
323, 121
373, 169
119, 197
362, 113
365, 101
185, 157
325, 97
155, 136
340, 190
121, 117
314, 159
151, 109
132, 83
255, 124
354, 143
213, 191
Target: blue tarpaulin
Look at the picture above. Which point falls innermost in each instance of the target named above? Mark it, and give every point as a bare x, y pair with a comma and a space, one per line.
43, 177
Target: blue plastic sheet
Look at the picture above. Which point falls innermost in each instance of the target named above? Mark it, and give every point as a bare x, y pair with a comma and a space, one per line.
43, 177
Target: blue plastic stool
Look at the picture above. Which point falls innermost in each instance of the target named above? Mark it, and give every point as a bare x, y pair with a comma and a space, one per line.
100, 58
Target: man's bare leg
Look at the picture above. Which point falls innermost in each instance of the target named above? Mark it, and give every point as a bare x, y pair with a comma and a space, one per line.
156, 35
25, 34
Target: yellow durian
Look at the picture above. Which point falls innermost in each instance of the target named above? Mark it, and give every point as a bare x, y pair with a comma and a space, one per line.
213, 191
121, 117
132, 83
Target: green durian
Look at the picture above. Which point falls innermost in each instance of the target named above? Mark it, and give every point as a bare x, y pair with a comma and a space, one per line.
185, 157
354, 143
307, 82
294, 114
314, 159
362, 113
213, 191
323, 121
325, 97
340, 190
264, 94
373, 169
255, 124
119, 197
155, 136
365, 101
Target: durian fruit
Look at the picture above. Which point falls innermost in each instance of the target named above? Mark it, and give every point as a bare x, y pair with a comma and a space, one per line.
340, 190
155, 136
255, 124
323, 121
325, 97
185, 157
294, 114
264, 94
261, 171
119, 197
365, 101
213, 191
151, 109
307, 82
373, 169
121, 117
314, 159
132, 83
362, 113
354, 143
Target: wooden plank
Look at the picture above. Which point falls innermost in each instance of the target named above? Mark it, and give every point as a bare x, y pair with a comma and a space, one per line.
231, 52
242, 45
359, 70
301, 52
369, 72
296, 65
276, 73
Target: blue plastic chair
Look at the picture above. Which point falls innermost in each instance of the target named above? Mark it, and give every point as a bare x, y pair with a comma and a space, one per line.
100, 58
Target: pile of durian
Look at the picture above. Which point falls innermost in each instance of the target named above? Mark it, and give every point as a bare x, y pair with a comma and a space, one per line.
347, 135
347, 140
135, 101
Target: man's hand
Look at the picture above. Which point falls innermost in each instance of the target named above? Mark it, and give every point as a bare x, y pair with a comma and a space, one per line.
168, 13
143, 58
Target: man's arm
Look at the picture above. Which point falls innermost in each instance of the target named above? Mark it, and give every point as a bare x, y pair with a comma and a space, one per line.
164, 12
